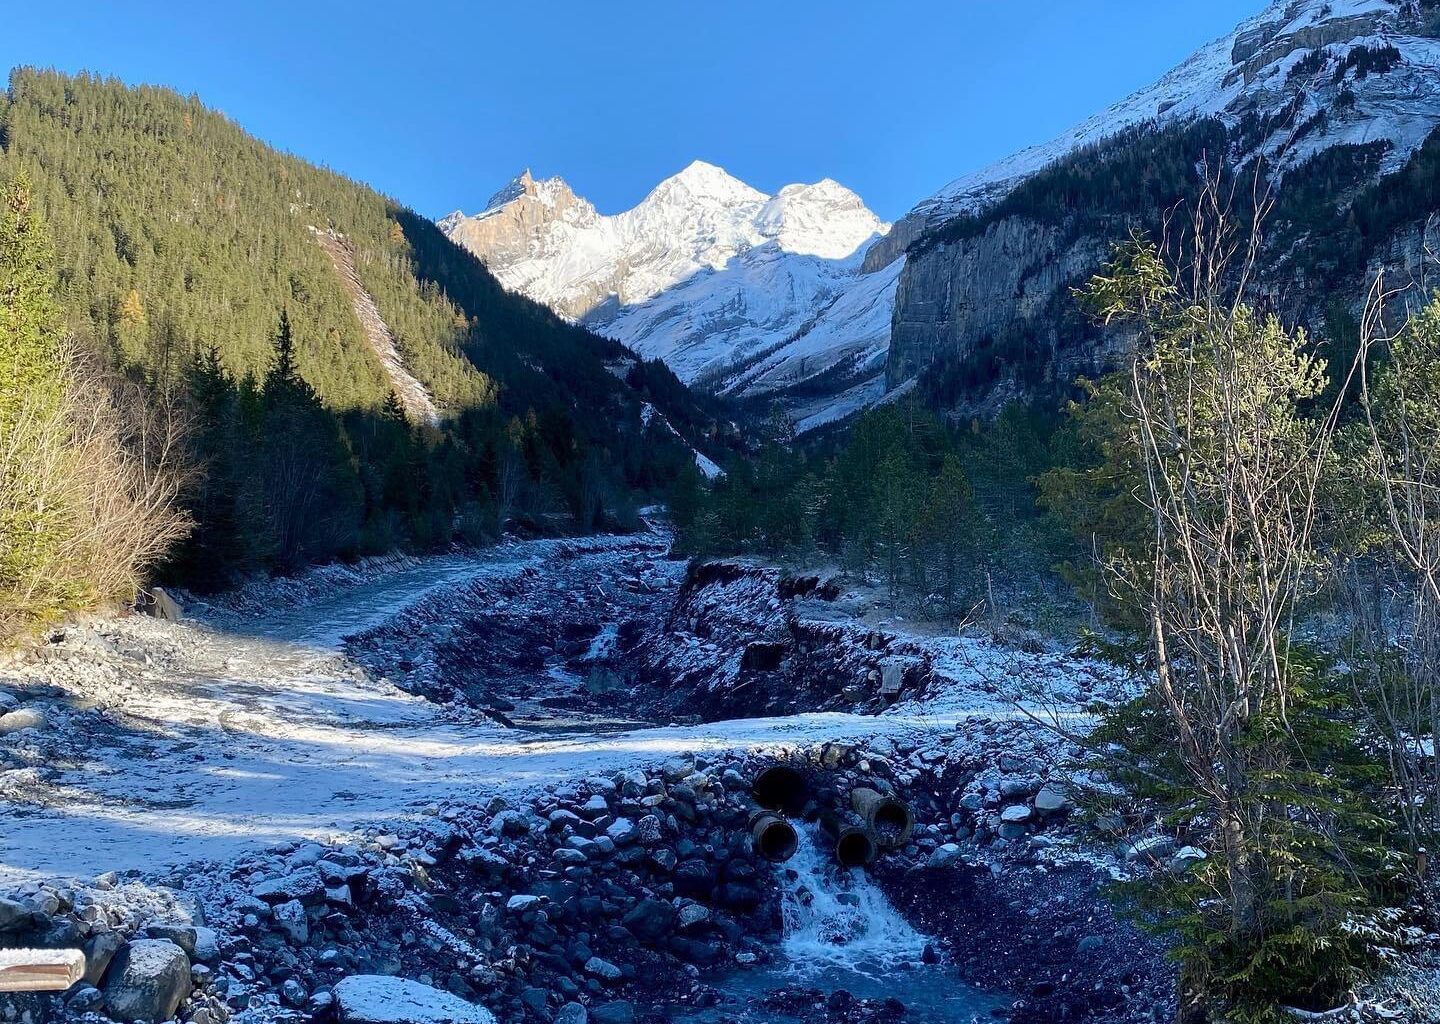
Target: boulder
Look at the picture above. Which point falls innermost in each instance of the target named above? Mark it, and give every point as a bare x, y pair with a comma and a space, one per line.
1151, 849
945, 856
1015, 814
649, 918
147, 981
162, 606
1052, 799
572, 1013
305, 885
603, 969
291, 921
378, 999
618, 1012
14, 915
99, 950
199, 943
25, 718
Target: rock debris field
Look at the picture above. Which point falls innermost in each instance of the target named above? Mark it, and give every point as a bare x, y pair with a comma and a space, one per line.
301, 802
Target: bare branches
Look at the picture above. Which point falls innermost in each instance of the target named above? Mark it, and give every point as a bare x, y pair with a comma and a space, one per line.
91, 483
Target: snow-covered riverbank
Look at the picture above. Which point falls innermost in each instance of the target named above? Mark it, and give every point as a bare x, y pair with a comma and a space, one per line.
164, 744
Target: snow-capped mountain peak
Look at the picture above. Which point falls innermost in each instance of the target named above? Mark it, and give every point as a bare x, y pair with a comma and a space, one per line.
707, 184
825, 219
717, 278
1255, 71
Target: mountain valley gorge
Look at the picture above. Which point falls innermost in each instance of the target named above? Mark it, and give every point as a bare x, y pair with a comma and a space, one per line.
736, 608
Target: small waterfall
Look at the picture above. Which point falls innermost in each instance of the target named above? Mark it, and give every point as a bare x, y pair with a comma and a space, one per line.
837, 917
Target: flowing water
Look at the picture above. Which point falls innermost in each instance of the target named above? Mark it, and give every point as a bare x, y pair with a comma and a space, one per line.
842, 934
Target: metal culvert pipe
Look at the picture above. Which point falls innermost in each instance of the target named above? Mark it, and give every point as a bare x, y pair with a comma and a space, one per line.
772, 837
782, 789
888, 818
854, 846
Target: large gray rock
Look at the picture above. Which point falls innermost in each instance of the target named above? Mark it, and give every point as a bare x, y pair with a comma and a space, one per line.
619, 1012
376, 999
1052, 799
305, 885
291, 920
945, 856
162, 606
25, 718
14, 915
147, 981
572, 1013
100, 949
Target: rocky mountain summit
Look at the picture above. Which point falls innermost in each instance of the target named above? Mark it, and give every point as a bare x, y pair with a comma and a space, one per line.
744, 293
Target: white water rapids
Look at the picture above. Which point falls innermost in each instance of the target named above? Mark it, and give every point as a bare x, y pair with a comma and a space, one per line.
837, 917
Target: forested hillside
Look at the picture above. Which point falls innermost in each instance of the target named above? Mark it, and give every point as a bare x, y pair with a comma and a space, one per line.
187, 256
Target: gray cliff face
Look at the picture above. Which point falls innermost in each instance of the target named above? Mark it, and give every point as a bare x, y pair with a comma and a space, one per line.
999, 291
984, 308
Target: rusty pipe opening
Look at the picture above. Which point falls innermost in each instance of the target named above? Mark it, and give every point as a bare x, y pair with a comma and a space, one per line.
855, 849
772, 837
781, 788
888, 818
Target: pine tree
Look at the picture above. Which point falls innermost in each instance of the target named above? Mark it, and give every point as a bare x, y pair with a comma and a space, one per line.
33, 515
32, 324
948, 524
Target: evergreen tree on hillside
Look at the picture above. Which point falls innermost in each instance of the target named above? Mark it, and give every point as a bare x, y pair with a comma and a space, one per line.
179, 240
82, 515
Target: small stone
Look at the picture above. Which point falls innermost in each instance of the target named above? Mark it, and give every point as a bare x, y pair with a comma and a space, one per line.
521, 903
86, 999
603, 969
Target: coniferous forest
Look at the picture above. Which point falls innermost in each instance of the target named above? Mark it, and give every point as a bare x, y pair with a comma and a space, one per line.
185, 259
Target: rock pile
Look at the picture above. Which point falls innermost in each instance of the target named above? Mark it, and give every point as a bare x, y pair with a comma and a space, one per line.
594, 900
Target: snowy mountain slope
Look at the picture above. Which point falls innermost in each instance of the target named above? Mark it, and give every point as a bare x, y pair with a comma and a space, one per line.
1248, 72
1333, 98
743, 293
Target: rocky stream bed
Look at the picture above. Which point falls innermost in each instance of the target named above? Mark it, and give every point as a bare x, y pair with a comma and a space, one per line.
519, 788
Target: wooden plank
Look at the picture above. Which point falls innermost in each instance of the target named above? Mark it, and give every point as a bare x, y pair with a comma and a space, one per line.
40, 970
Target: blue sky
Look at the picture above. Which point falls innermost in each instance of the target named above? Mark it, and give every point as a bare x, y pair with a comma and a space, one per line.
439, 104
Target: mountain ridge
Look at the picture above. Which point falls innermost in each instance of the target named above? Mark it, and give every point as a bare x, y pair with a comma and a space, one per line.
724, 283
1329, 100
